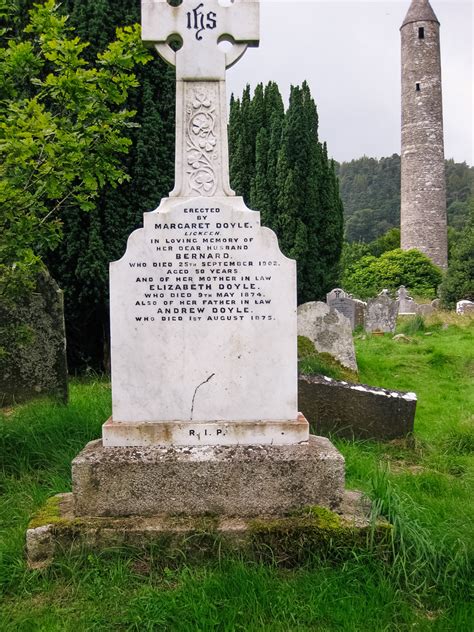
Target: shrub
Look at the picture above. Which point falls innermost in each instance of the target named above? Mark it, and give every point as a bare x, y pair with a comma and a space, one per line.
368, 276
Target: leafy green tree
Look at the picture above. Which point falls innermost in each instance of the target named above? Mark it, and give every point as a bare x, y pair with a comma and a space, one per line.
367, 276
80, 263
62, 129
458, 283
389, 241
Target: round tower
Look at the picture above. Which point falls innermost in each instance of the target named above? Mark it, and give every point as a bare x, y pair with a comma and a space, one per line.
423, 182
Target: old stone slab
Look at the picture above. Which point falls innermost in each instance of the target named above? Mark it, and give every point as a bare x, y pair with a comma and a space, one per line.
425, 309
329, 330
220, 480
355, 410
33, 339
57, 530
406, 305
382, 312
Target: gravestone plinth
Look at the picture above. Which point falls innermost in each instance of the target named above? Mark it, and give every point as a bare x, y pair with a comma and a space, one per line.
235, 480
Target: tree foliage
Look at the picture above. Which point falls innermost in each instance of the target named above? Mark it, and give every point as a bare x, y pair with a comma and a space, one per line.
367, 276
458, 283
62, 128
282, 170
80, 263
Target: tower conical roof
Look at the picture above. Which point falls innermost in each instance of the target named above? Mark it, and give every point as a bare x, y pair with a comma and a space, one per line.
420, 11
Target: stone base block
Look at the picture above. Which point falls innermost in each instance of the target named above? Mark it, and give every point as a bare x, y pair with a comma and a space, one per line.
207, 480
138, 434
292, 539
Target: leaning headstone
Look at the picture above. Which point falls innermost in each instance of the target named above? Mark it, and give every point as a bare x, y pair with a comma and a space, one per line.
355, 411
33, 343
381, 313
407, 305
465, 307
329, 330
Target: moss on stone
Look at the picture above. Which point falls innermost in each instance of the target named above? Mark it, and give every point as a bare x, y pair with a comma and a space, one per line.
50, 513
310, 533
313, 362
306, 347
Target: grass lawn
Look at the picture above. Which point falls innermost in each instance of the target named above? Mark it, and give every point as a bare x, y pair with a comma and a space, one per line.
424, 485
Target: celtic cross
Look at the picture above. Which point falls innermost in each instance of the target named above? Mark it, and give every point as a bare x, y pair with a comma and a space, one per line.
196, 27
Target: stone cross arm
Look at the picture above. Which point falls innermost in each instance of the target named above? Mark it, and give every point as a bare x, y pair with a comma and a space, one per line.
199, 25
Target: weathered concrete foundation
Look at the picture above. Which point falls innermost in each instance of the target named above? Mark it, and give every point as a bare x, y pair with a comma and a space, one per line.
56, 530
235, 480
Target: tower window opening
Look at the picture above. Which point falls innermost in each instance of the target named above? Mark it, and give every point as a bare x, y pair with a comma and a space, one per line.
421, 32
418, 86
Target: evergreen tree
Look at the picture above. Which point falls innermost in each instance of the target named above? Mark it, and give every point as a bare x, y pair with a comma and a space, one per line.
290, 180
80, 265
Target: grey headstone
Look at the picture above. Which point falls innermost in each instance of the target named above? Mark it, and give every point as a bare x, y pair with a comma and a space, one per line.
406, 304
381, 314
37, 364
353, 309
360, 313
329, 330
425, 310
355, 410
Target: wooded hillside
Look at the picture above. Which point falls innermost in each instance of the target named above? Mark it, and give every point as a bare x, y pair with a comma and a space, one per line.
370, 190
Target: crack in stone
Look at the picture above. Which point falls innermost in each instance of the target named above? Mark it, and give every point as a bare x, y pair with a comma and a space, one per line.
195, 392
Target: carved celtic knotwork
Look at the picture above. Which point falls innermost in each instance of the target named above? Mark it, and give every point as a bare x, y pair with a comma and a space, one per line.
201, 141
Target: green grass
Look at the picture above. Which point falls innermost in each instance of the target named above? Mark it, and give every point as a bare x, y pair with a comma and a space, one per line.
423, 485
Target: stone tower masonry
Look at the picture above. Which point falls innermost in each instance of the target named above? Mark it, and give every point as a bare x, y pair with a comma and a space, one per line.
423, 181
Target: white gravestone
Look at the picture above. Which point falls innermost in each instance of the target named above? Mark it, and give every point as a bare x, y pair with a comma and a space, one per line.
465, 307
203, 303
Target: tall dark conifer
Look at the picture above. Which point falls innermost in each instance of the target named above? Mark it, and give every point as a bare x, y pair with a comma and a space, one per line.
292, 182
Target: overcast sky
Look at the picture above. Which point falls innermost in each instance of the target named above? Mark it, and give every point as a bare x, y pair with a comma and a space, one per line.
349, 52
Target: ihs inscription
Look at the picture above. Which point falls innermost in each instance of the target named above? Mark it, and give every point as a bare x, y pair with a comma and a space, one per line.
200, 21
